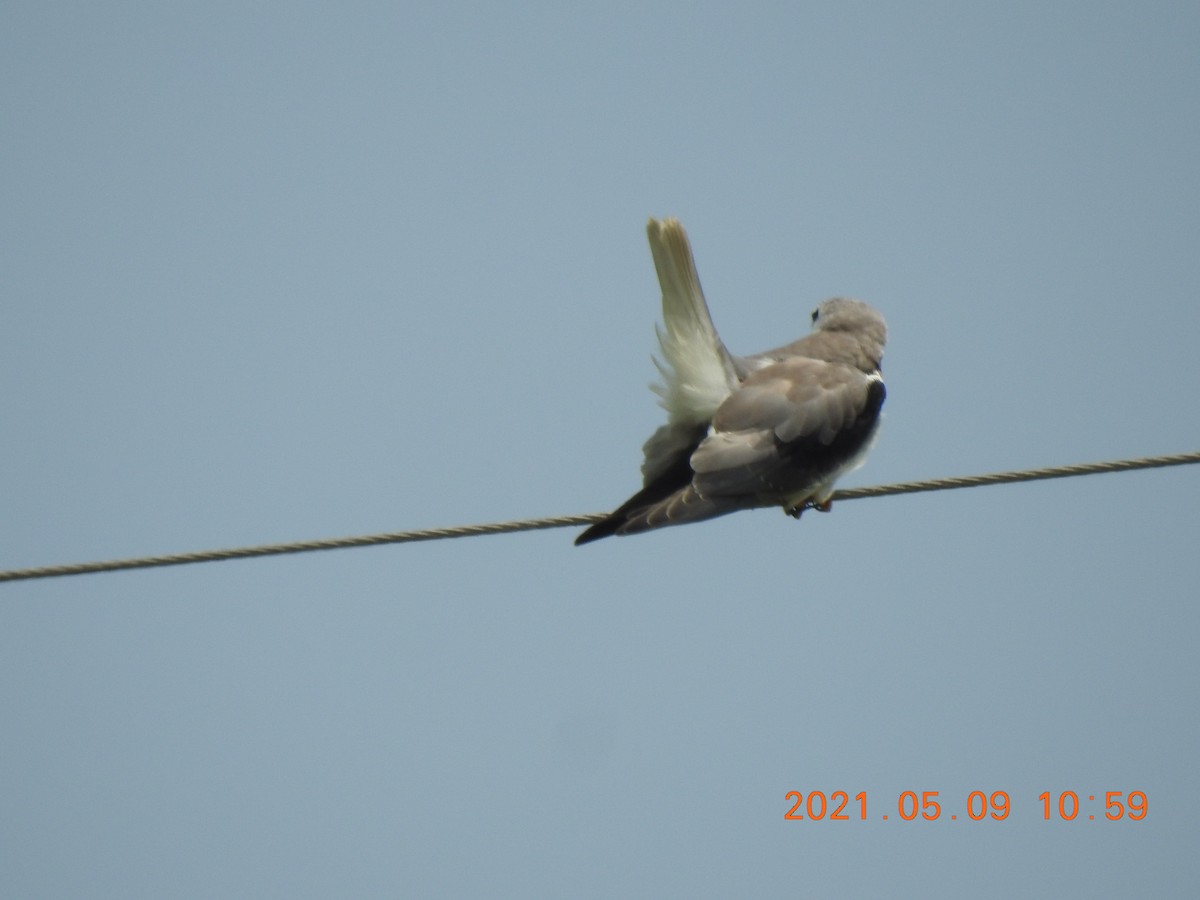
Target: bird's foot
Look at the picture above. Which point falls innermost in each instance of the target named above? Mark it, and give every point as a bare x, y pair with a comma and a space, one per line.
796, 511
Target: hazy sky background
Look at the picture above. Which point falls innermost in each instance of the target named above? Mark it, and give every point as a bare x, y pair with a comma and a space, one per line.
277, 271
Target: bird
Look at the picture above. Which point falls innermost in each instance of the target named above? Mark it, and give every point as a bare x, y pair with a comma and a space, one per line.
777, 428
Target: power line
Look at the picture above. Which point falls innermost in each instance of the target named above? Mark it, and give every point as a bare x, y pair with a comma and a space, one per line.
433, 534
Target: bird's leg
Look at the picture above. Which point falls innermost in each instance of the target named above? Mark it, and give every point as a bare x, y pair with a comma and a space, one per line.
827, 506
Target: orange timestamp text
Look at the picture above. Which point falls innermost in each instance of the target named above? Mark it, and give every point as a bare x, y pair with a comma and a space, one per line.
977, 806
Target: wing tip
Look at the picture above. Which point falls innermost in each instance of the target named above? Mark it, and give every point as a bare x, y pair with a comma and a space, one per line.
668, 233
604, 528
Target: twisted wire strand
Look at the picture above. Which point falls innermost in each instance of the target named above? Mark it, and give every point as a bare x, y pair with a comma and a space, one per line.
433, 534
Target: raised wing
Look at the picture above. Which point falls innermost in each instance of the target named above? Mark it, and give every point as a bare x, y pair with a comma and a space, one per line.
697, 371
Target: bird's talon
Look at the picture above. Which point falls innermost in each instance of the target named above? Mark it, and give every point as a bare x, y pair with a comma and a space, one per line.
827, 506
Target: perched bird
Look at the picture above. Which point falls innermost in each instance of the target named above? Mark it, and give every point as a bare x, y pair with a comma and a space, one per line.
774, 429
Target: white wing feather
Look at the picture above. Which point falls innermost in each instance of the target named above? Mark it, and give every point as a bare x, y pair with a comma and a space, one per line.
697, 371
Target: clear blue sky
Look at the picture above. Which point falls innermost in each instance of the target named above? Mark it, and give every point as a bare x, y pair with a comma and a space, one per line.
284, 271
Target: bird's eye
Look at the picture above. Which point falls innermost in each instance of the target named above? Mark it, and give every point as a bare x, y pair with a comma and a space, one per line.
816, 312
